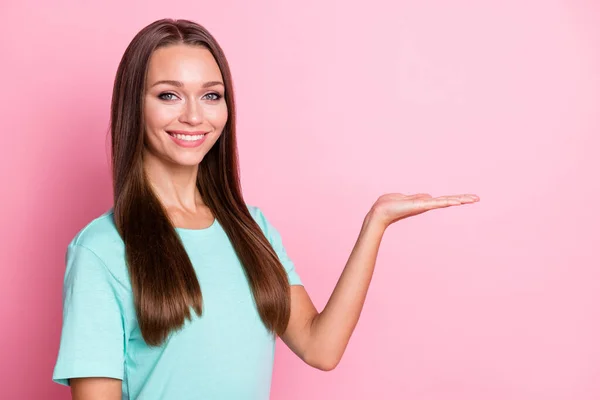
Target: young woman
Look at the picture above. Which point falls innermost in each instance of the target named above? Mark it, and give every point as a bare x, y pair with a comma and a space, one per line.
179, 290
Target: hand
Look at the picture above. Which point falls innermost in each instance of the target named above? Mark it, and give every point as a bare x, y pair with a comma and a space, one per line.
393, 207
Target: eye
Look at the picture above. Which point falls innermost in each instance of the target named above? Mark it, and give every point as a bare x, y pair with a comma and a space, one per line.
214, 96
160, 96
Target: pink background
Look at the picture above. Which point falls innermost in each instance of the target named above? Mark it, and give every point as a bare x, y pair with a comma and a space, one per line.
340, 102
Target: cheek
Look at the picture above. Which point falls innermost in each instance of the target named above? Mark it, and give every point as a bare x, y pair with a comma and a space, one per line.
157, 116
218, 116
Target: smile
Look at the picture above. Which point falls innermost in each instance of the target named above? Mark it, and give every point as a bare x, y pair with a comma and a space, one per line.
187, 139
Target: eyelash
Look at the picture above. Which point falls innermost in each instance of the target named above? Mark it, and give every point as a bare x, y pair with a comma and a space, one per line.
173, 94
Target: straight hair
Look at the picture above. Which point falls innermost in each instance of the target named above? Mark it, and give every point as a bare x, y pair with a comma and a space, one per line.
164, 284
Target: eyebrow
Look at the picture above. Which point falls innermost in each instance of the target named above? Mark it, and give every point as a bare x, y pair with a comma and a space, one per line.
180, 84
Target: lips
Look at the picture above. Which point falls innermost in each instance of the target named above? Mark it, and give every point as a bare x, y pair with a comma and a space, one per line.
188, 138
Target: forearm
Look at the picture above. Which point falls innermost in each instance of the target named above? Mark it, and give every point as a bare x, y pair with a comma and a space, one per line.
331, 329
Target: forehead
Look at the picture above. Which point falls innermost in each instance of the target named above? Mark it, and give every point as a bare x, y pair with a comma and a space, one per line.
188, 64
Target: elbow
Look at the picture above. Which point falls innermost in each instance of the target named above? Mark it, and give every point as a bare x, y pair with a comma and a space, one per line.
323, 363
327, 366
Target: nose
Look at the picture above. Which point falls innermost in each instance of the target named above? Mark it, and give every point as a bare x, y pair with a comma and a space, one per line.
192, 113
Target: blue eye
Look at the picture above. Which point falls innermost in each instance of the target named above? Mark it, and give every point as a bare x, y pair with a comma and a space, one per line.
212, 96
216, 97
165, 94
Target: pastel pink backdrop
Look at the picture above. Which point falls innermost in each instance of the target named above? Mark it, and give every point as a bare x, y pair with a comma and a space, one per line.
340, 102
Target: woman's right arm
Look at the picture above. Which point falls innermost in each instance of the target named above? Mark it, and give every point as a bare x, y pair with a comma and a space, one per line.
91, 352
96, 389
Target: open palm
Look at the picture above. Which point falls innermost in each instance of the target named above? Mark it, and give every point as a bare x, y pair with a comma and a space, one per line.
393, 207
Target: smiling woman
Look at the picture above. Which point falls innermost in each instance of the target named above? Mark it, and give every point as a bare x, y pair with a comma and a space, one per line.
136, 323
179, 290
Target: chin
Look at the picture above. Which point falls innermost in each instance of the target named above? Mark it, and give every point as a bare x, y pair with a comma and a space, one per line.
189, 162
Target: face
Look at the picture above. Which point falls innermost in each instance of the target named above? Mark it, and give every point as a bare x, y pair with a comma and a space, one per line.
185, 116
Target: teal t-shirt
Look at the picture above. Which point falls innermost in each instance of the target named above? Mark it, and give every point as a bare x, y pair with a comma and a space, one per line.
227, 353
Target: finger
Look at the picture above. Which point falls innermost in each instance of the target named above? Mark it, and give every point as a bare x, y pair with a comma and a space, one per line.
419, 195
470, 196
463, 198
403, 197
467, 197
425, 204
438, 202
409, 196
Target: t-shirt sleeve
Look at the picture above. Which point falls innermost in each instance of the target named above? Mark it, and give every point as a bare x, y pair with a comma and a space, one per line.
92, 337
276, 242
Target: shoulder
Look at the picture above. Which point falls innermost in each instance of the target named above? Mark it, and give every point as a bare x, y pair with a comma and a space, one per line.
255, 212
270, 231
259, 217
97, 234
99, 240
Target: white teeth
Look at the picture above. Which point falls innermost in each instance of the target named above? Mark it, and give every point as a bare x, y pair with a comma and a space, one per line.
189, 138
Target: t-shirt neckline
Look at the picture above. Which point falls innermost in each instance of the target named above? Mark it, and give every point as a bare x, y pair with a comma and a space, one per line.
202, 231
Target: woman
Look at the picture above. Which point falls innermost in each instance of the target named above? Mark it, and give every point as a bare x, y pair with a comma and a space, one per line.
178, 291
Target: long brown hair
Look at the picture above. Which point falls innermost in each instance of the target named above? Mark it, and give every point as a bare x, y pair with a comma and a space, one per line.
163, 280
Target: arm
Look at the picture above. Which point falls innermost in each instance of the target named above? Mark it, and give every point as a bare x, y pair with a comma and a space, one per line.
95, 389
320, 339
91, 351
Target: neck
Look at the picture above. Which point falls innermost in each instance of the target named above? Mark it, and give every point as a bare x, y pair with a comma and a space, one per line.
174, 185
